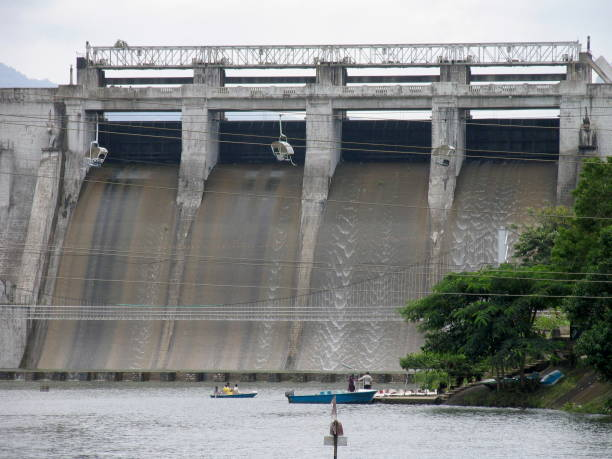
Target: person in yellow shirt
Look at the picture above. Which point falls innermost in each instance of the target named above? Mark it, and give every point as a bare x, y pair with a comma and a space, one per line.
227, 390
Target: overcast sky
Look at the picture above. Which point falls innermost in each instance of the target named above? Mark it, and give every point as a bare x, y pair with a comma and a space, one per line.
42, 37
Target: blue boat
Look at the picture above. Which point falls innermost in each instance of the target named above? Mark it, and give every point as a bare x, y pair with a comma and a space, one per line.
326, 396
551, 378
244, 395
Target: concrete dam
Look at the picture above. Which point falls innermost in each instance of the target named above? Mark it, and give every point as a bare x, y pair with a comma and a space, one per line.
196, 249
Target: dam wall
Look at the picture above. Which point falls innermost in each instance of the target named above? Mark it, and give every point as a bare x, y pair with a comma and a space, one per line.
346, 231
23, 135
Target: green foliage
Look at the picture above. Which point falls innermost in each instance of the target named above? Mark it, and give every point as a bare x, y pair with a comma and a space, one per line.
551, 319
490, 315
585, 246
576, 243
596, 344
455, 366
486, 316
431, 379
536, 240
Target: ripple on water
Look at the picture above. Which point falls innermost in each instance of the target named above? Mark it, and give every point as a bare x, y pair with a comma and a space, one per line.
180, 420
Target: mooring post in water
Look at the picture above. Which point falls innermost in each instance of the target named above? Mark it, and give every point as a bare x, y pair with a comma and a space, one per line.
336, 437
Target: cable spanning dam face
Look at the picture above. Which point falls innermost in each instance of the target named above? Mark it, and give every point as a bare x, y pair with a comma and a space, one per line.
373, 249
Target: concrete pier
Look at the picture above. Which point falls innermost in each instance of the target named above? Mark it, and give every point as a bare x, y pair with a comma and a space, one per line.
323, 141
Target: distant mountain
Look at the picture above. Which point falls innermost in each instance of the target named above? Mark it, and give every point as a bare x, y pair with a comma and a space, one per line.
11, 78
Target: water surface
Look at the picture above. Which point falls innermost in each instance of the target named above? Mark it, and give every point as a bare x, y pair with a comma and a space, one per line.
90, 420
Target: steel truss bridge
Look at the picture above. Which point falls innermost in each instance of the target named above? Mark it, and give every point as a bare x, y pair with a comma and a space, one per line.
305, 56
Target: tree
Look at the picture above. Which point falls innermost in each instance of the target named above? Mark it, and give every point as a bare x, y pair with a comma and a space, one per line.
584, 248
590, 308
537, 239
575, 244
456, 366
486, 316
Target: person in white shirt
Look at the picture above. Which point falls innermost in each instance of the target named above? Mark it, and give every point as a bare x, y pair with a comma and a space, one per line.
235, 391
367, 380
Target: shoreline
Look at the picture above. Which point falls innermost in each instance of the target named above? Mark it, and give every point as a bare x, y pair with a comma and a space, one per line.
580, 391
188, 375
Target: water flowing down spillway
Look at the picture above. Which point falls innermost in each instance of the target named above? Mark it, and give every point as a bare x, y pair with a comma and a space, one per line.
375, 225
245, 238
373, 248
117, 251
492, 195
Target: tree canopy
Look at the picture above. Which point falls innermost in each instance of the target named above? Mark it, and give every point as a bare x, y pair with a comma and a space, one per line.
584, 249
565, 259
486, 316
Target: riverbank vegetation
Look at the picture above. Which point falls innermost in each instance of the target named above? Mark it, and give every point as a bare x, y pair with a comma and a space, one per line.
496, 319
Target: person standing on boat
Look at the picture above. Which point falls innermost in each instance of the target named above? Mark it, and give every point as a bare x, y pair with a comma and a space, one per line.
367, 380
351, 383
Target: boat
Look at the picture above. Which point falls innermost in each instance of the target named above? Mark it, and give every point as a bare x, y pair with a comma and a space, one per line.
552, 378
326, 396
241, 395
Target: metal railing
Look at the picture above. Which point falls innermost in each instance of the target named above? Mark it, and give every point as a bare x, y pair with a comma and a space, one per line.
375, 313
304, 56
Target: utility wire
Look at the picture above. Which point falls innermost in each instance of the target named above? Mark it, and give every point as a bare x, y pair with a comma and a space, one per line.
365, 150
361, 267
335, 201
267, 137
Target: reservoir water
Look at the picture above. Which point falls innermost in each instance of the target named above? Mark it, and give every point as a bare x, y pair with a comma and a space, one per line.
133, 420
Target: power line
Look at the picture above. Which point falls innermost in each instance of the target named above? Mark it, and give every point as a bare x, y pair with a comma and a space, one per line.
365, 150
336, 201
172, 256
182, 130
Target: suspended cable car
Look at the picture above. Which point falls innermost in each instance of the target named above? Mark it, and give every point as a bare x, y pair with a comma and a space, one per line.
97, 154
282, 150
443, 155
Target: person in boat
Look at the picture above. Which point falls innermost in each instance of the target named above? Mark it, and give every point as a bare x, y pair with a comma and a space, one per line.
227, 390
367, 380
235, 390
216, 392
351, 383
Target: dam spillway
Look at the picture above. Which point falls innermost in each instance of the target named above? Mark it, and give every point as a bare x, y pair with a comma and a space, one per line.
243, 248
297, 268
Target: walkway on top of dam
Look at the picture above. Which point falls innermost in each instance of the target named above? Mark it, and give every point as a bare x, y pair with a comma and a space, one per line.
333, 81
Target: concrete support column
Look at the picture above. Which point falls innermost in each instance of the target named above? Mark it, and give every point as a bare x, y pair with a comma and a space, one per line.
323, 141
448, 130
209, 76
573, 103
581, 70
33, 262
7, 160
331, 75
80, 130
87, 76
200, 150
455, 73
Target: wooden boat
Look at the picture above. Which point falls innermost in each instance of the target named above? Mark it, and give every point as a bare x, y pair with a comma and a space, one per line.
326, 396
241, 395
